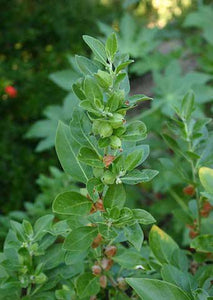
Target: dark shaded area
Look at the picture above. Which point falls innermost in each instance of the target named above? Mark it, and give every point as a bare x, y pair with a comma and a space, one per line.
34, 40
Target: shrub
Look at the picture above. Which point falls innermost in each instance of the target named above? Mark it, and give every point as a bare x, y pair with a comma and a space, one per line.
93, 246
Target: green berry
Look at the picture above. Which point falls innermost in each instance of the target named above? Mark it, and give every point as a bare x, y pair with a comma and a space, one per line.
95, 127
108, 177
105, 129
97, 172
115, 142
116, 120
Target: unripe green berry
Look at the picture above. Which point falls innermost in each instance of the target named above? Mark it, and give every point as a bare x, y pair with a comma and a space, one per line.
97, 172
95, 127
40, 279
116, 120
119, 131
105, 129
108, 177
115, 142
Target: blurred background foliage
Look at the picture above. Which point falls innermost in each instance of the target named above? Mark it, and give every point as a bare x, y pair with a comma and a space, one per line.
39, 38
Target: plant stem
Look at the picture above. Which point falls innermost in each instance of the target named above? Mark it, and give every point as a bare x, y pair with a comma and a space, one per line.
179, 200
194, 173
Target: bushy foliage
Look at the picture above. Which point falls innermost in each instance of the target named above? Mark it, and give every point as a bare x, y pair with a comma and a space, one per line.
92, 246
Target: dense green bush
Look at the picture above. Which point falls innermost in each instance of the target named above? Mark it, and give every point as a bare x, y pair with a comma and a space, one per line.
92, 246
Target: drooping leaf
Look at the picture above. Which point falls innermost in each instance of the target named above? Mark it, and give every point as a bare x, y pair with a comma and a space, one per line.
67, 150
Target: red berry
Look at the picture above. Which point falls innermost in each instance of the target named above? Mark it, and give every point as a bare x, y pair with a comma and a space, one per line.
189, 190
193, 234
11, 91
110, 251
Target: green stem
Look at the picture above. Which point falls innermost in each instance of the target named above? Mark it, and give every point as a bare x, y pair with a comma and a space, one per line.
194, 174
179, 200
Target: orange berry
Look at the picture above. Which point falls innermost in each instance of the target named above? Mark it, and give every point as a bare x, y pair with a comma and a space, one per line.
108, 159
96, 270
97, 241
110, 251
106, 263
189, 190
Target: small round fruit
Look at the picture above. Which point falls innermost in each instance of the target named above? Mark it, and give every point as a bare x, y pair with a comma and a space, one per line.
115, 142
97, 172
105, 129
95, 127
116, 120
110, 251
108, 177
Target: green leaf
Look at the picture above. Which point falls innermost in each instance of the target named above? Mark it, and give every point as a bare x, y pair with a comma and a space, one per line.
125, 217
80, 239
133, 100
203, 243
42, 225
53, 257
67, 149
115, 196
187, 105
133, 159
175, 276
97, 48
90, 157
111, 46
64, 79
136, 131
87, 285
134, 235
85, 65
206, 178
104, 79
115, 100
137, 176
129, 258
143, 217
81, 128
92, 90
71, 203
92, 188
123, 66
153, 289
162, 245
